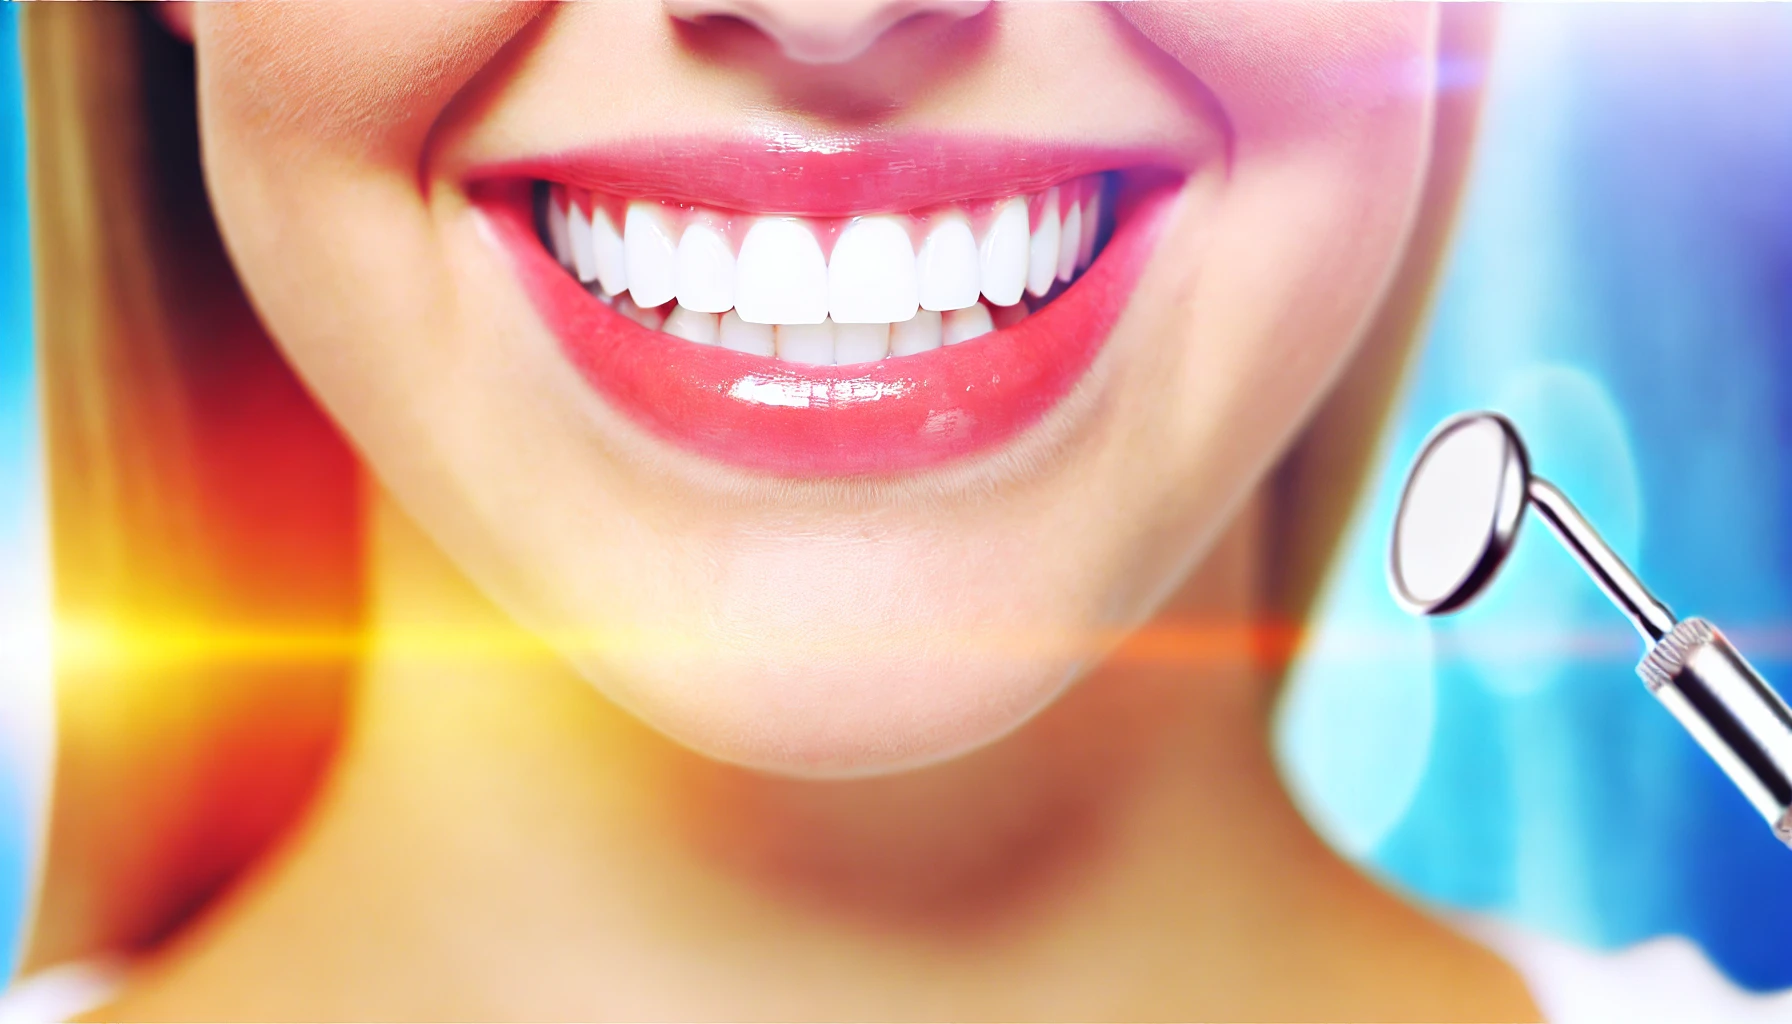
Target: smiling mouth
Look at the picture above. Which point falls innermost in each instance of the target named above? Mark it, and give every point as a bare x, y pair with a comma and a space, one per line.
833, 291
899, 306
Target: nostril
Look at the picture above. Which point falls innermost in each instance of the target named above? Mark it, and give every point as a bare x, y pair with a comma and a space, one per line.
822, 31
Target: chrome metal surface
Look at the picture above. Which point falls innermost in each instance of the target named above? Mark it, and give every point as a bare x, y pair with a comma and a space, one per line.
1459, 513
1650, 617
1731, 711
1458, 519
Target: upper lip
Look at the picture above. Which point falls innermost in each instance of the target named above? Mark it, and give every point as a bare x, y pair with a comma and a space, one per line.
826, 175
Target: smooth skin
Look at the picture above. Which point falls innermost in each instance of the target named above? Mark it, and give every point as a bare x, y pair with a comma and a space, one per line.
643, 737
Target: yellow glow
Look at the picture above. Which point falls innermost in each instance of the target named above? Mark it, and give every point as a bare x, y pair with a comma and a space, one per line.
92, 645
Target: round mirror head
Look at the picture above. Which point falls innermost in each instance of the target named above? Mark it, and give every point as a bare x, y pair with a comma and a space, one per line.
1459, 515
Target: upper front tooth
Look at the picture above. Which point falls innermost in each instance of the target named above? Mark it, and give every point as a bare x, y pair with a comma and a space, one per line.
871, 279
1042, 258
705, 270
946, 268
781, 276
606, 247
559, 227
652, 255
1071, 242
1003, 260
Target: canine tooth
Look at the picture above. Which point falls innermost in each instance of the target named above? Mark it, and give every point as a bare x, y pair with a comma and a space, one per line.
606, 246
691, 325
871, 276
1003, 257
965, 324
705, 270
918, 334
559, 230
741, 336
1070, 242
1091, 227
652, 255
648, 318
860, 343
1042, 255
807, 343
947, 266
781, 276
578, 229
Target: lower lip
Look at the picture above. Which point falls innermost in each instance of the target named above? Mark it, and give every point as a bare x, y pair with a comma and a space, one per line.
787, 419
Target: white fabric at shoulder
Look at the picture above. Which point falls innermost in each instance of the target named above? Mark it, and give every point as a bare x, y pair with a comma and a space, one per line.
1664, 979
61, 993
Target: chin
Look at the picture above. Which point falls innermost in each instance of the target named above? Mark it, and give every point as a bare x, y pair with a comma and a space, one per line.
836, 715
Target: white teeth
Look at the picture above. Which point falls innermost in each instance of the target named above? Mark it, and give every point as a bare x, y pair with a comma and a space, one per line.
1042, 256
1091, 227
648, 318
691, 325
781, 276
606, 248
741, 336
860, 343
947, 266
652, 255
705, 270
807, 343
559, 230
674, 269
871, 277
1003, 259
578, 229
1070, 242
965, 324
919, 334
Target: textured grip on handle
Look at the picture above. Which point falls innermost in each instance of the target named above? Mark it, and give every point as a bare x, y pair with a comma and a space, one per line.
1730, 710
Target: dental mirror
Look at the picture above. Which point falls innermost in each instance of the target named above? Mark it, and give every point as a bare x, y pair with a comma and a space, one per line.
1465, 496
1460, 513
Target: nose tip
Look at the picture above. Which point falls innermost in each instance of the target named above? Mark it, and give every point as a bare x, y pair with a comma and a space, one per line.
822, 31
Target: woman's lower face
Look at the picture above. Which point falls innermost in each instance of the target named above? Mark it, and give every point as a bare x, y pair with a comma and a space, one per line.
831, 410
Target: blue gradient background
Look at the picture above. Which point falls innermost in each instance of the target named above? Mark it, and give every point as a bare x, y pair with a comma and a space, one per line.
22, 582
1621, 284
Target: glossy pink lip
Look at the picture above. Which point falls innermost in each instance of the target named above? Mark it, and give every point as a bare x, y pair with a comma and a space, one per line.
763, 414
827, 176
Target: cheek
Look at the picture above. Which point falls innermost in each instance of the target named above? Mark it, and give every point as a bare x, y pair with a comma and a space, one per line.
315, 120
363, 80
1276, 266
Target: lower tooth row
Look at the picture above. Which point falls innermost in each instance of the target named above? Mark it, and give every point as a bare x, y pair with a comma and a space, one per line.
902, 283
826, 343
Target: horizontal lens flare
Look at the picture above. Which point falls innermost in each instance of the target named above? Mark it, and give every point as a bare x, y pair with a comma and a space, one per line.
90, 646
839, 292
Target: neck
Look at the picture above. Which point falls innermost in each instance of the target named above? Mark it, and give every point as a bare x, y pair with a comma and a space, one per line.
500, 840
